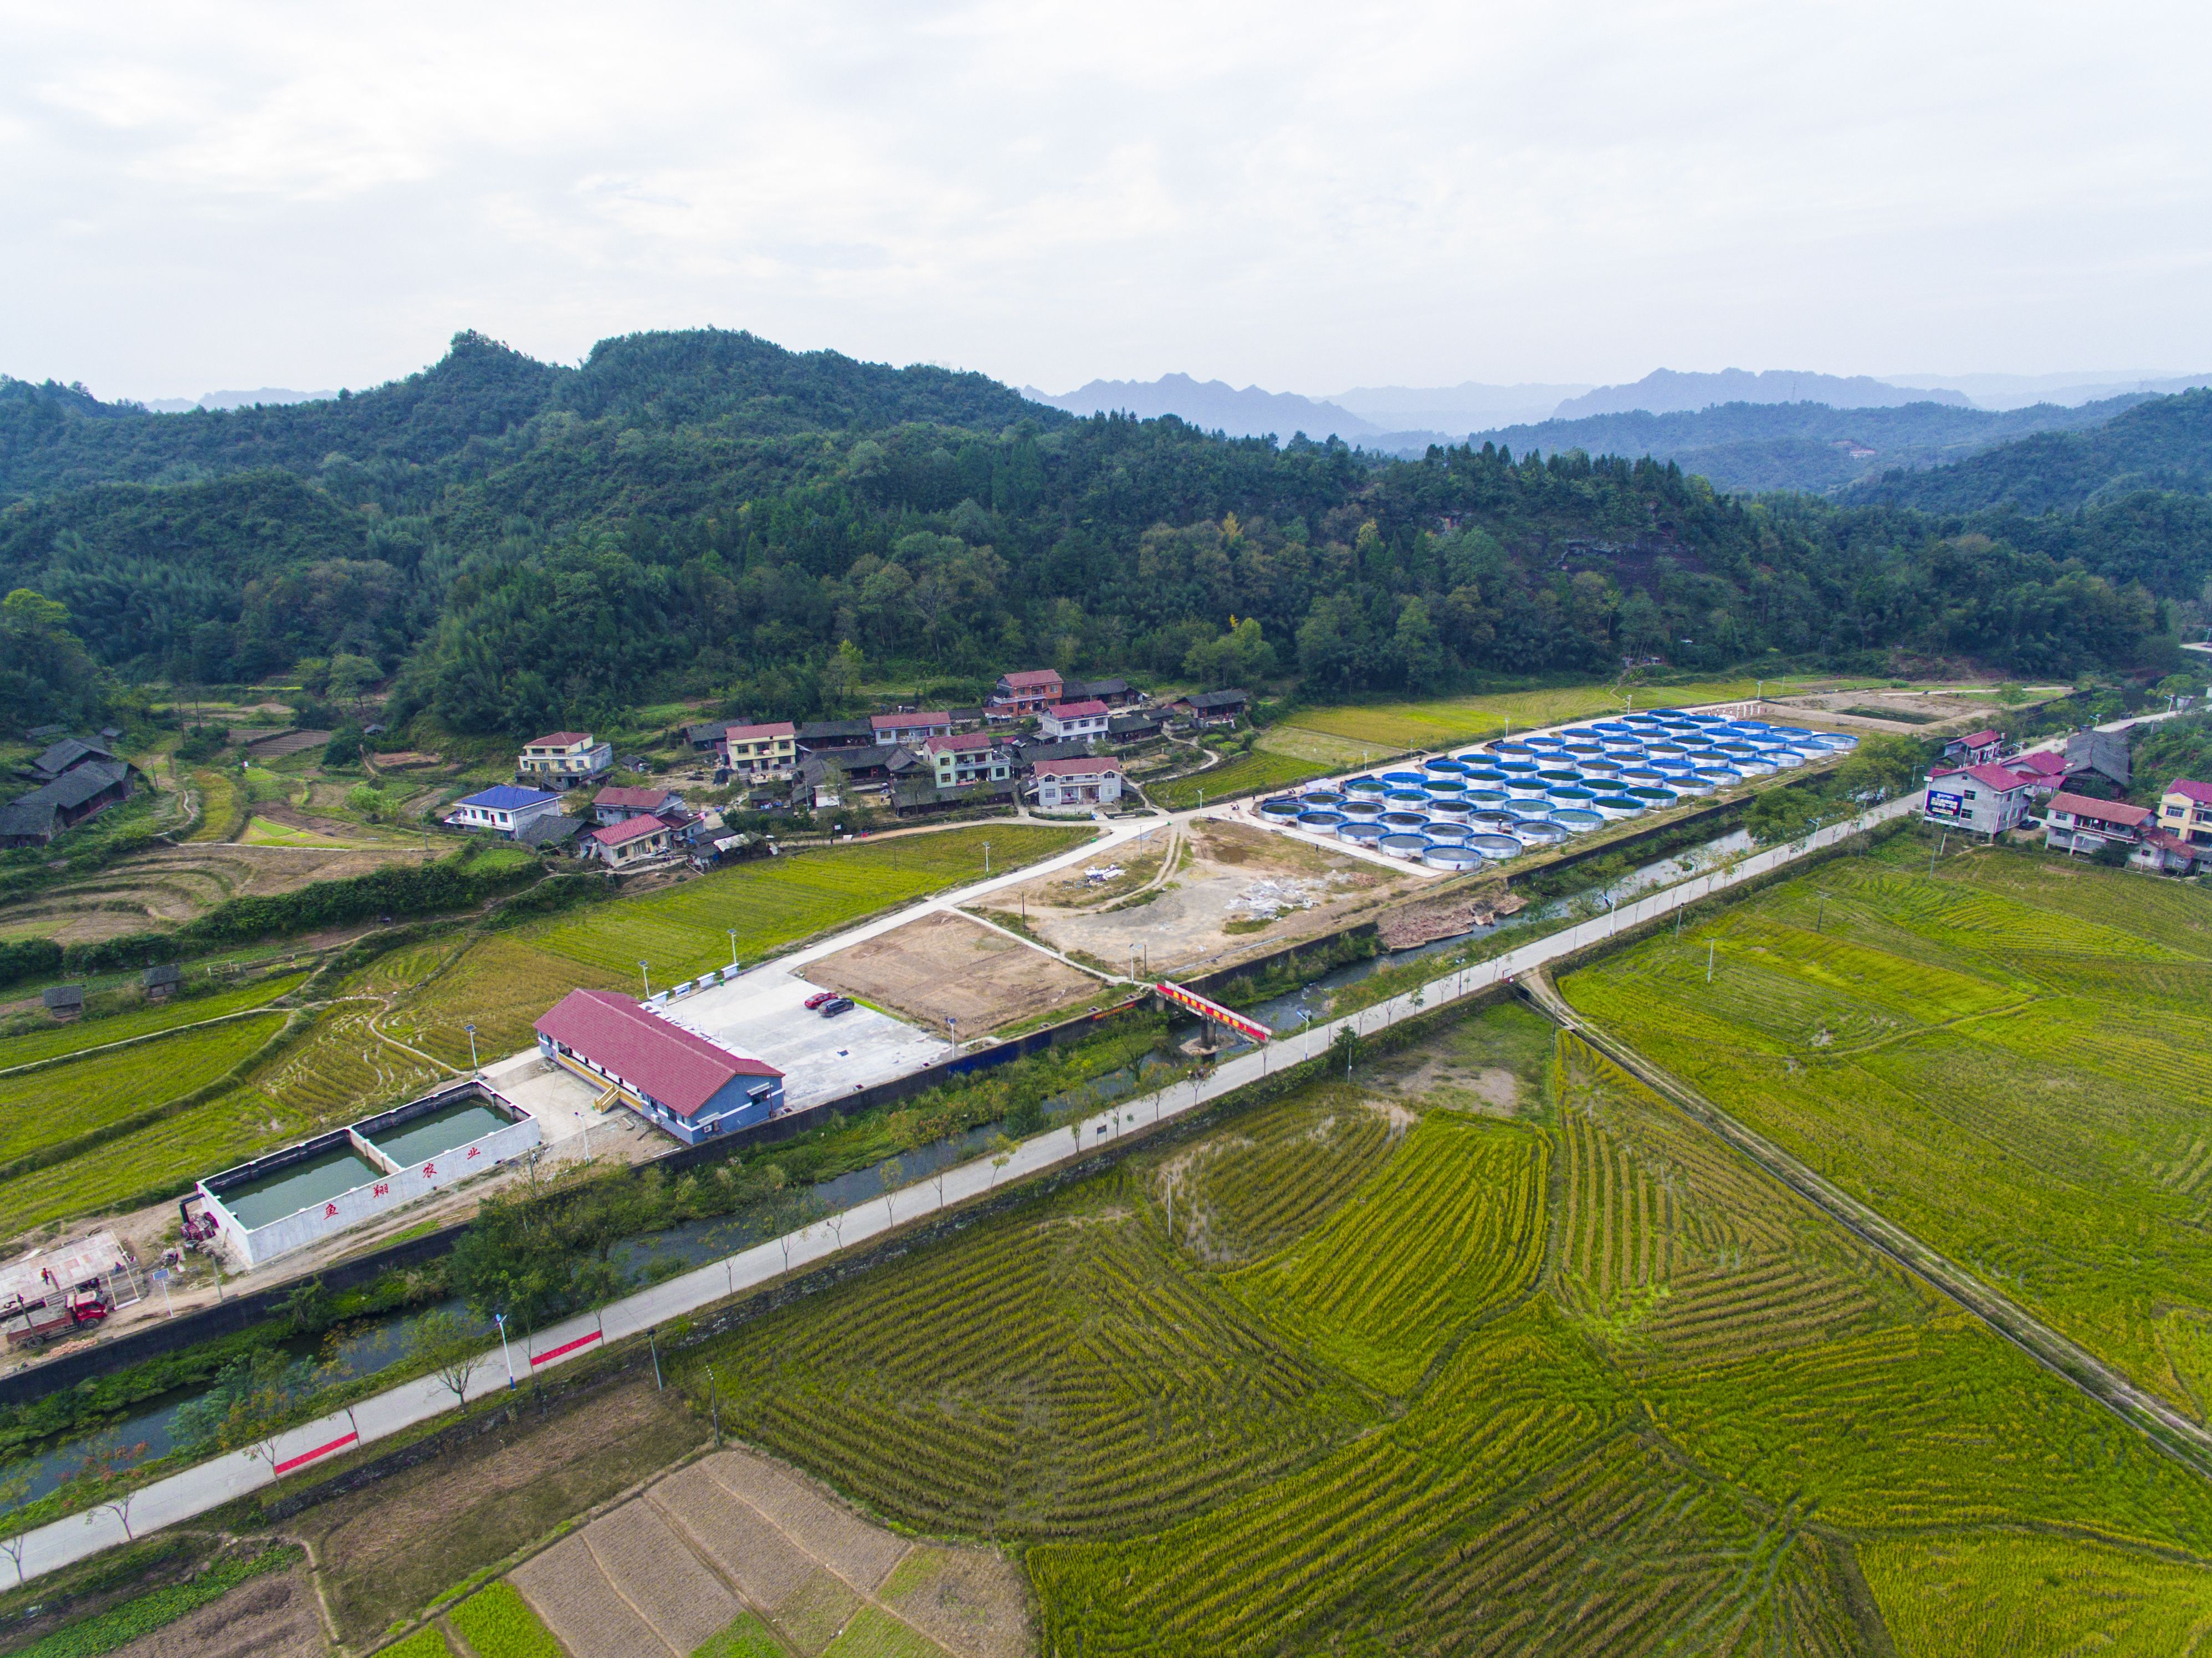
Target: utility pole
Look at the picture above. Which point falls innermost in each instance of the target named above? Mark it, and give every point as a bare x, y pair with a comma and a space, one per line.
1709, 959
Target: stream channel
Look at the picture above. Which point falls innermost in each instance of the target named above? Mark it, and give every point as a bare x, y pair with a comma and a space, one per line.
366, 1347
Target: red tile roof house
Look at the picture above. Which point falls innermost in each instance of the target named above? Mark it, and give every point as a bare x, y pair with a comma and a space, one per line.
2162, 853
1986, 800
1974, 748
2045, 771
2186, 810
1062, 785
1075, 721
909, 728
1024, 692
2074, 823
674, 1078
631, 841
619, 805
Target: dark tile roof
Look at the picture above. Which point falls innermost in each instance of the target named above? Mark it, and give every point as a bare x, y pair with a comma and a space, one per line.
61, 996
168, 974
1207, 702
69, 751
818, 731
551, 829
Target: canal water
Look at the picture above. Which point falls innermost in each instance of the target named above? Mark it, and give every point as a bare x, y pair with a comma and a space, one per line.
374, 1345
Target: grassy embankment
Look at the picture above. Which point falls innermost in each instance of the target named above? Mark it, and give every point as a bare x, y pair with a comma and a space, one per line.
2006, 1057
1492, 1352
395, 1027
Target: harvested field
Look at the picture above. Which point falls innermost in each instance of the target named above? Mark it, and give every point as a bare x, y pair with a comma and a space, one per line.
1271, 888
387, 1550
172, 885
948, 965
271, 1617
736, 1538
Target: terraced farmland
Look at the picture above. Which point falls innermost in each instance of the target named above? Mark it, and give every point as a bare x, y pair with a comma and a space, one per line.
774, 903
62, 1103
1424, 1382
2007, 1058
73, 1038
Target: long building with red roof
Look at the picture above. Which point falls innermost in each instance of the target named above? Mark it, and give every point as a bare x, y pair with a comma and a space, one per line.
674, 1078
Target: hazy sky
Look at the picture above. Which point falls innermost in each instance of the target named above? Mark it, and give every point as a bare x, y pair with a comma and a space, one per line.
1309, 196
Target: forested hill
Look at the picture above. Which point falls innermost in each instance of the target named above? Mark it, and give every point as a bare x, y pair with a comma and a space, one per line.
526, 546
2165, 444
449, 420
1755, 447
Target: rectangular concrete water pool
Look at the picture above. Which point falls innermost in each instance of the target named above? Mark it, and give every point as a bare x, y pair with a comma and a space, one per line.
300, 1186
419, 1139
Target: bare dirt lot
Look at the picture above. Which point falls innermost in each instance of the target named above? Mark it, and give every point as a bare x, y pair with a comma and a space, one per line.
387, 1550
736, 1537
1224, 890
271, 1617
947, 964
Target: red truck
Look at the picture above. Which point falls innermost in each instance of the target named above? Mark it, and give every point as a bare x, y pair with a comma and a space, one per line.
57, 1316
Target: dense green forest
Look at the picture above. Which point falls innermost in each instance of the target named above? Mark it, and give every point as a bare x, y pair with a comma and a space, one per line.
1758, 447
523, 545
2165, 444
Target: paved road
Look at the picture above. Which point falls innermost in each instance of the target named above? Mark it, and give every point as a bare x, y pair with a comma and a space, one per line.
205, 1486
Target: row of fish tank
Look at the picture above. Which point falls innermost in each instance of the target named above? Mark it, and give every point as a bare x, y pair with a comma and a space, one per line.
1521, 795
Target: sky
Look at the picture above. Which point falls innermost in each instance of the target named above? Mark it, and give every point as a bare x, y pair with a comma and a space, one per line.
1306, 197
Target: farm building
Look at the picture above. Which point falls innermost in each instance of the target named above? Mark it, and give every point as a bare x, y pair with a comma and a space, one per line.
1078, 722
1141, 727
1113, 693
674, 1078
66, 755
63, 1001
503, 809
2104, 753
707, 734
1077, 785
160, 983
2184, 811
1986, 798
2162, 853
561, 760
631, 841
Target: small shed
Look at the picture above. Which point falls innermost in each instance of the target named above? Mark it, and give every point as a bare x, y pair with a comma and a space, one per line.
63, 1001
160, 983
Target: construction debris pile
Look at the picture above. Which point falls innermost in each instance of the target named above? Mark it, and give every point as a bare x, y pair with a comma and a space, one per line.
1424, 924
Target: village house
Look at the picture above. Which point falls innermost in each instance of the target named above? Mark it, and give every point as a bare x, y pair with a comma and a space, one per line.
819, 734
909, 728
674, 1078
1026, 692
2104, 753
1212, 710
78, 795
761, 752
634, 841
620, 804
504, 809
2074, 823
1142, 725
1975, 747
707, 734
963, 761
1075, 722
1113, 693
2184, 811
2161, 854
1986, 800
2045, 772
561, 760
161, 982
555, 830
64, 757
1077, 785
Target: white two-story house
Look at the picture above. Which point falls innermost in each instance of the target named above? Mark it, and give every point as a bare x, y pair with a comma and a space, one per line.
561, 760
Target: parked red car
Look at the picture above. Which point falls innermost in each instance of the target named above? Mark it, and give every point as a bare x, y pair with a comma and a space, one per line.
818, 998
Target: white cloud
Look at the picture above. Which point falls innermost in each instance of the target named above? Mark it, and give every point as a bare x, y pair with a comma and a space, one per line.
1307, 196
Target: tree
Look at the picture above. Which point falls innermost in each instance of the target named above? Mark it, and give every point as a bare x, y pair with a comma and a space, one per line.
1420, 653
1884, 765
350, 676
15, 1522
454, 1348
1002, 1151
366, 801
1343, 1050
109, 1475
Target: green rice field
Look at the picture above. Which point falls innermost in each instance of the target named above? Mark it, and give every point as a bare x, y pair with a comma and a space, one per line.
775, 902
1261, 770
38, 1108
1491, 1351
75, 1037
2007, 1057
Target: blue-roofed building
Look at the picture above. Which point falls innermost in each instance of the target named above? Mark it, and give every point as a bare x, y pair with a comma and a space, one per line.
503, 810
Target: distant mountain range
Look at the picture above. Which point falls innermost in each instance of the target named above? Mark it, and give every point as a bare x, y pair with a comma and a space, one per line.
274, 396
1665, 392
1214, 406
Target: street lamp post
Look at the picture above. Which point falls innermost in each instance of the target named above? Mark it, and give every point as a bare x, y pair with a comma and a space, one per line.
732, 932
648, 977
471, 1029
500, 1319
